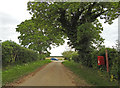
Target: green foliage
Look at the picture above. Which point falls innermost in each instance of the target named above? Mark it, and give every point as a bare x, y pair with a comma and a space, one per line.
112, 59
13, 53
91, 61
87, 35
68, 55
78, 21
76, 58
90, 75
37, 38
51, 22
6, 52
15, 72
32, 37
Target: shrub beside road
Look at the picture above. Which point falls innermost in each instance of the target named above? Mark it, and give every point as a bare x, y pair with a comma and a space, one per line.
90, 75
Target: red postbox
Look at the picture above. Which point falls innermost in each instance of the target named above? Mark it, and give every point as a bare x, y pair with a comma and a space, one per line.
101, 60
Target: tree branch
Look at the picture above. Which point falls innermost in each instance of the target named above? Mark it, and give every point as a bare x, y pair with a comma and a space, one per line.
62, 19
75, 18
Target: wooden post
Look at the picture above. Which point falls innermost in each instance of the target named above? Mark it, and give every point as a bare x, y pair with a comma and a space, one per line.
107, 65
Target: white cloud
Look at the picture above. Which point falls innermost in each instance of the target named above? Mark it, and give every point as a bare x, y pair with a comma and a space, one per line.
110, 33
16, 8
6, 19
12, 13
57, 51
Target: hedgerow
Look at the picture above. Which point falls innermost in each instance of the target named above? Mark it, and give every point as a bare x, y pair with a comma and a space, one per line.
13, 53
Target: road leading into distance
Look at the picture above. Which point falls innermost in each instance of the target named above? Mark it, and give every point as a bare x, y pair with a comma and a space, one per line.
53, 74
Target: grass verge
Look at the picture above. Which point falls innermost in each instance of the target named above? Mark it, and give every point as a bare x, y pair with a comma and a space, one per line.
91, 76
15, 72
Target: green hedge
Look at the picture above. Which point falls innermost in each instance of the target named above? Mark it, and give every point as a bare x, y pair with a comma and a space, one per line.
112, 59
13, 53
91, 61
92, 76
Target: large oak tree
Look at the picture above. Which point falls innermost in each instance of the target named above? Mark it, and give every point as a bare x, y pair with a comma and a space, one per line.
76, 20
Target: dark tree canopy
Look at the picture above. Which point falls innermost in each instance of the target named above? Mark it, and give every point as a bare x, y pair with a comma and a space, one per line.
76, 20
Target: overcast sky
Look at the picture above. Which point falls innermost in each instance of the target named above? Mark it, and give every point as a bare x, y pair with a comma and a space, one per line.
13, 12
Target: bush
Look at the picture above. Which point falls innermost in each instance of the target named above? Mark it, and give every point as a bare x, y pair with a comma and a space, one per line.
13, 53
69, 54
90, 75
112, 59
75, 57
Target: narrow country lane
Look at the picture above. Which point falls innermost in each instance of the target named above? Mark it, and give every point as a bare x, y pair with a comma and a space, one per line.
53, 74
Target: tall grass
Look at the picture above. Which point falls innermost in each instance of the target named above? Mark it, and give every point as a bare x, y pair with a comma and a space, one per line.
15, 72
90, 75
